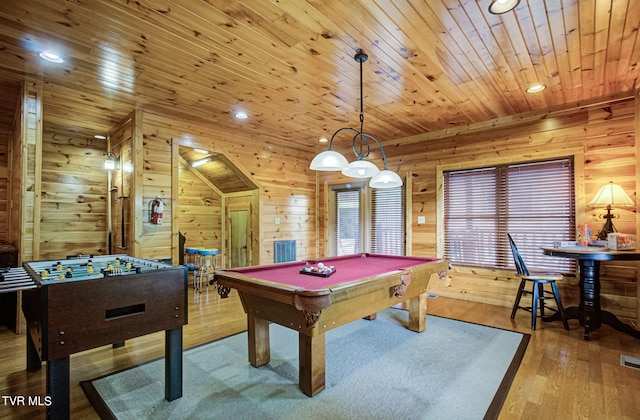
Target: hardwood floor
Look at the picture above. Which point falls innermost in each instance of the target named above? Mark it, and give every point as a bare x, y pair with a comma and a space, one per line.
561, 375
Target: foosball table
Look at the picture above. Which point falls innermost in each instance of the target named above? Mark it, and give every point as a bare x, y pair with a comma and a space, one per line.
82, 303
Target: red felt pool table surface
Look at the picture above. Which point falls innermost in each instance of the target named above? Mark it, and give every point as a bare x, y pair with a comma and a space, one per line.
348, 268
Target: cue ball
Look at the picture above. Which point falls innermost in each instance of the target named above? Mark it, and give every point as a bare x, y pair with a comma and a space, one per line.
320, 265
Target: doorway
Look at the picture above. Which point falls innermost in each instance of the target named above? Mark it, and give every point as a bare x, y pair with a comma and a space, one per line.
239, 239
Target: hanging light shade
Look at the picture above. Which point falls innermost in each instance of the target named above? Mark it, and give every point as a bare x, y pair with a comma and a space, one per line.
361, 169
331, 160
386, 179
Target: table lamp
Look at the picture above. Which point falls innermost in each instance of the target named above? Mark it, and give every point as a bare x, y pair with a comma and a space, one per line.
610, 195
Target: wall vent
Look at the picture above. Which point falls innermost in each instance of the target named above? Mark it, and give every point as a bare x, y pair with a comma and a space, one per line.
630, 362
284, 251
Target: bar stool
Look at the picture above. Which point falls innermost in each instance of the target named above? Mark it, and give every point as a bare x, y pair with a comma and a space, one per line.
207, 265
539, 280
191, 261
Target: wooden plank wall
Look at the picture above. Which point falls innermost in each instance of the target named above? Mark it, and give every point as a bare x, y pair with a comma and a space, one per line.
200, 214
285, 182
4, 186
73, 204
606, 136
75, 191
15, 179
5, 140
288, 192
25, 158
297, 218
156, 240
121, 202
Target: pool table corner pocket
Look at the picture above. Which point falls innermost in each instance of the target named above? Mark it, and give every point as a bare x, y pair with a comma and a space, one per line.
405, 280
311, 303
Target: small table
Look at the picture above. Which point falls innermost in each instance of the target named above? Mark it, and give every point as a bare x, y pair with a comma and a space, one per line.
589, 312
362, 285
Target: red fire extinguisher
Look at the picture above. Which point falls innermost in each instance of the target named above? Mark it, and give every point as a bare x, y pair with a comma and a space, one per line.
157, 208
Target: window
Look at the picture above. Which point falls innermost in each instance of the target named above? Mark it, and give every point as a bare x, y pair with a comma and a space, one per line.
347, 239
387, 221
364, 219
533, 201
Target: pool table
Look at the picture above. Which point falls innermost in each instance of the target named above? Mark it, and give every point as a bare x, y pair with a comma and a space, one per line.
361, 285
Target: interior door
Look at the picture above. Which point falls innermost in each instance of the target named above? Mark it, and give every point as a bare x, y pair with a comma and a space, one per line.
238, 237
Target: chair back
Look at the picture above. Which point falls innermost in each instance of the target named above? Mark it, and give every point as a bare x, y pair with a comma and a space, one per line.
521, 267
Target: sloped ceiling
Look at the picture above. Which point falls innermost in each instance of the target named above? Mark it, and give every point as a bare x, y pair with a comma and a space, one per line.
219, 171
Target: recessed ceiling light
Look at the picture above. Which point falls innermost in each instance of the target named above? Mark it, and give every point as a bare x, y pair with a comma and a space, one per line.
536, 88
100, 137
323, 140
51, 56
241, 115
502, 6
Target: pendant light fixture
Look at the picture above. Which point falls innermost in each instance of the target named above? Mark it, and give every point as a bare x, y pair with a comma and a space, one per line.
330, 160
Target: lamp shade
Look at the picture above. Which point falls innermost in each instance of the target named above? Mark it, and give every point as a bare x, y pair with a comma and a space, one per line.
611, 195
110, 162
329, 160
361, 169
386, 179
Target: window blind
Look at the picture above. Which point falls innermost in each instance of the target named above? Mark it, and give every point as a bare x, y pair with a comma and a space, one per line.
534, 202
347, 223
387, 221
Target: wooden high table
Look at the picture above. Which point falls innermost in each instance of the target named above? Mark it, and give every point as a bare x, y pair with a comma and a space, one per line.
589, 312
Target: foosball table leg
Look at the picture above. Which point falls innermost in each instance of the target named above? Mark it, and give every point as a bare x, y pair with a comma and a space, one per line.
58, 388
173, 364
33, 359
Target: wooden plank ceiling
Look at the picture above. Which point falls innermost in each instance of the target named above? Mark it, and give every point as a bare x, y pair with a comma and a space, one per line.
433, 64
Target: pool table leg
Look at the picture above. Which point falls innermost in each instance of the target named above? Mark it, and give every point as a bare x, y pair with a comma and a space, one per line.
258, 334
311, 351
417, 312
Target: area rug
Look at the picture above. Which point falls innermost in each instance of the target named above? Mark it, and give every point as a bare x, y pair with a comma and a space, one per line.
374, 370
